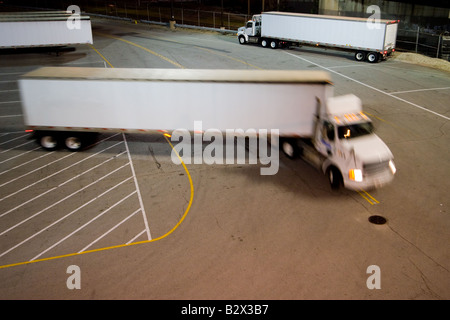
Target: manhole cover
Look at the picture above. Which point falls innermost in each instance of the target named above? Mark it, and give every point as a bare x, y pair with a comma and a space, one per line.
377, 219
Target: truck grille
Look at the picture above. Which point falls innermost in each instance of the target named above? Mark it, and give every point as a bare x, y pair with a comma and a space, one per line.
371, 169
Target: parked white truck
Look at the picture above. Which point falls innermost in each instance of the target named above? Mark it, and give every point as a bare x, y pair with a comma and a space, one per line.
44, 29
369, 41
63, 104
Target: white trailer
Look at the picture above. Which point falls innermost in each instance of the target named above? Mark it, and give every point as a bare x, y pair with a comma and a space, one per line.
371, 41
62, 104
43, 29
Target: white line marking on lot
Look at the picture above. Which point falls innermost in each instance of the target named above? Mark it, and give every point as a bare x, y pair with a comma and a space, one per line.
419, 90
27, 162
353, 65
62, 218
137, 236
109, 231
20, 145
12, 90
12, 116
369, 86
55, 203
144, 215
6, 102
69, 155
19, 155
83, 226
13, 139
55, 173
54, 188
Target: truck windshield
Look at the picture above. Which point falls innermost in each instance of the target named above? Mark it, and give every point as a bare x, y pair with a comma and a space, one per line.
355, 130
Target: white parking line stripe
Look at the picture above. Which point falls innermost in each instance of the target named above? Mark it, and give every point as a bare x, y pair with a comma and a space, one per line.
6, 150
53, 174
137, 236
12, 90
419, 90
6, 102
62, 218
369, 86
13, 139
83, 226
12, 116
44, 193
109, 231
29, 161
19, 155
144, 215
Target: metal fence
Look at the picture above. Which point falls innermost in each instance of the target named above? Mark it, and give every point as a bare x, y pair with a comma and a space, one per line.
154, 12
421, 41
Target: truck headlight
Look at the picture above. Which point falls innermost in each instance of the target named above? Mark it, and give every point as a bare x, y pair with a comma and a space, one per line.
355, 174
392, 166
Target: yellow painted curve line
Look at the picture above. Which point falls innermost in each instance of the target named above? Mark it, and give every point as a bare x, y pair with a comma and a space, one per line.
93, 48
191, 199
144, 48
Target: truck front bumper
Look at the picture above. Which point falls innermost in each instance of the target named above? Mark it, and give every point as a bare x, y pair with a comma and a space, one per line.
370, 182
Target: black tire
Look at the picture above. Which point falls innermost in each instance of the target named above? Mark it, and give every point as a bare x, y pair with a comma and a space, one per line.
373, 57
360, 56
264, 43
242, 40
273, 44
290, 148
73, 142
334, 177
48, 141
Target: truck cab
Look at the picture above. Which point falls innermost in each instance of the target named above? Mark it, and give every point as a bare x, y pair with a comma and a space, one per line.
355, 154
251, 31
345, 147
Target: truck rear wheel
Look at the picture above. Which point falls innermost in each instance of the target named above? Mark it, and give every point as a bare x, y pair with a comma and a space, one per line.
274, 44
360, 56
48, 141
290, 148
73, 143
264, 43
372, 57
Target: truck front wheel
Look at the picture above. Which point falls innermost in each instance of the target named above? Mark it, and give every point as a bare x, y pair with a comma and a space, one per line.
242, 40
334, 177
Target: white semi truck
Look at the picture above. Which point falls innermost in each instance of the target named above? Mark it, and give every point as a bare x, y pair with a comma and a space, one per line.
64, 104
370, 41
44, 29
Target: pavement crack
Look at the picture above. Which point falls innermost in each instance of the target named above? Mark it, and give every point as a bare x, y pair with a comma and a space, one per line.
420, 250
152, 153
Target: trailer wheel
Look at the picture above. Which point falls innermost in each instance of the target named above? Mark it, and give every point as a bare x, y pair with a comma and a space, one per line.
264, 43
334, 177
372, 57
48, 142
360, 56
290, 148
73, 142
242, 40
274, 44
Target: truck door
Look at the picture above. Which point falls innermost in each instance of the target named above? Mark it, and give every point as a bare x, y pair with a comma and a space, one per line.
249, 28
326, 139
